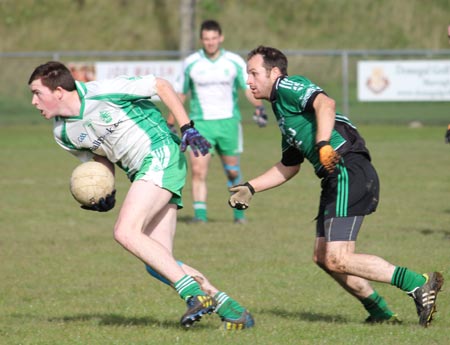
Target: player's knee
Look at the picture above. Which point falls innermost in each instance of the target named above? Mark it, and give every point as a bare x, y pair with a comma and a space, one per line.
232, 175
334, 263
122, 236
199, 174
318, 260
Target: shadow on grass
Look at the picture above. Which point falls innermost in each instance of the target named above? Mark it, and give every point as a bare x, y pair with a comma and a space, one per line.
445, 233
306, 316
190, 220
119, 320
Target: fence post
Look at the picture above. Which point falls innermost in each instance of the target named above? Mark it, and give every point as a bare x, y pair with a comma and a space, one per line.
345, 87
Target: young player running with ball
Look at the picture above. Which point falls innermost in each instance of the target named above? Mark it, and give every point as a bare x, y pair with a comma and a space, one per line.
311, 129
114, 122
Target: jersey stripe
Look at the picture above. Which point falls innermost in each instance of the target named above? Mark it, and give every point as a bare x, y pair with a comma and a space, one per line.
342, 192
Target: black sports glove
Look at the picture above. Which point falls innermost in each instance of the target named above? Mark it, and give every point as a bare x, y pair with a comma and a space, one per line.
242, 194
447, 135
190, 136
260, 116
104, 204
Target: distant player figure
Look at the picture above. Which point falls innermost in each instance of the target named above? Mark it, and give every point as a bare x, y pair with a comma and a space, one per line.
213, 76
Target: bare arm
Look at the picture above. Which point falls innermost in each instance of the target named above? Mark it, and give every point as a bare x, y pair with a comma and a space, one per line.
325, 109
170, 98
170, 118
274, 177
189, 135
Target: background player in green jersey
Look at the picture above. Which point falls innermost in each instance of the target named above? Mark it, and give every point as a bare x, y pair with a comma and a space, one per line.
114, 122
311, 129
212, 76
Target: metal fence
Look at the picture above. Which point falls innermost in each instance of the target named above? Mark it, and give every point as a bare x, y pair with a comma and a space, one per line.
334, 70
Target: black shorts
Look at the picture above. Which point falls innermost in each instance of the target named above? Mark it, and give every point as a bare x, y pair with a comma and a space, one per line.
352, 190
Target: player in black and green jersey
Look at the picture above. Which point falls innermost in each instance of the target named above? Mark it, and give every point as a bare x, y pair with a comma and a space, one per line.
312, 130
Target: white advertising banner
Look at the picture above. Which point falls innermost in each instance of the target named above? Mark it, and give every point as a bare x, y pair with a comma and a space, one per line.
411, 80
169, 70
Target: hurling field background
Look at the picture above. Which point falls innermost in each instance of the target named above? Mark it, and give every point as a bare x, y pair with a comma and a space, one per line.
63, 279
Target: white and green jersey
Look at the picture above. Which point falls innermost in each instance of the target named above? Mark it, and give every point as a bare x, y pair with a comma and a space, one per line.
117, 121
214, 85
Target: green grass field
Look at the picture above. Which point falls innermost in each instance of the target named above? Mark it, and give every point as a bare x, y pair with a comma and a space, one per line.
65, 281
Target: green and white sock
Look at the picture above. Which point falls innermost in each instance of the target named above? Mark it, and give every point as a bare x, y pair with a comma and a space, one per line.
406, 279
228, 307
377, 306
187, 287
200, 210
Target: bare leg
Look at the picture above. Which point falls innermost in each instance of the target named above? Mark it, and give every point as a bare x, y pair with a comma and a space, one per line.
340, 257
146, 207
146, 227
199, 168
354, 281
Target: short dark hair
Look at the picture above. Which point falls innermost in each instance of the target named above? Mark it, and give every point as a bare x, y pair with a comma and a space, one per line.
210, 25
272, 57
52, 75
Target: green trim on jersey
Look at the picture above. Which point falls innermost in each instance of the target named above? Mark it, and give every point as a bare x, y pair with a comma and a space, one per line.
342, 191
194, 102
345, 119
82, 90
239, 82
65, 138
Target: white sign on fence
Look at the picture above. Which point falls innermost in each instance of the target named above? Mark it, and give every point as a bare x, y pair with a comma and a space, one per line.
411, 80
169, 70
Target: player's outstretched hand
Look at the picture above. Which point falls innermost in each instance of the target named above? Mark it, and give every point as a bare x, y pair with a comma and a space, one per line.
260, 116
104, 204
191, 137
327, 155
242, 194
447, 135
